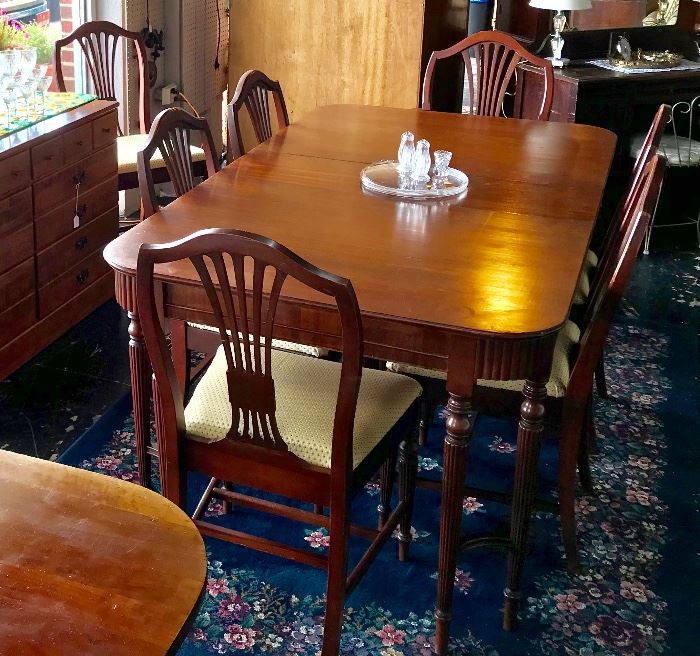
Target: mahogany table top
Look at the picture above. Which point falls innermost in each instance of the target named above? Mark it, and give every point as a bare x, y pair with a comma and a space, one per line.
90, 564
503, 259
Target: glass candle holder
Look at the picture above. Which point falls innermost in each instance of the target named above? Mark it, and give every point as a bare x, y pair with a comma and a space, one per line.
442, 162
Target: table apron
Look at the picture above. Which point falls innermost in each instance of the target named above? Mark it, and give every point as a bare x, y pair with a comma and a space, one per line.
493, 357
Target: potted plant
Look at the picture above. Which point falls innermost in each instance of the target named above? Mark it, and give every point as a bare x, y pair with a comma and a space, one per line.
12, 33
42, 39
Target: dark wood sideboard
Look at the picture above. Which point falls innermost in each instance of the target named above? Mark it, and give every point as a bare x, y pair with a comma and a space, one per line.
52, 274
621, 102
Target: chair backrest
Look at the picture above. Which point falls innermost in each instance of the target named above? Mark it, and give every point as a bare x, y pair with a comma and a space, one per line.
490, 61
252, 92
615, 274
171, 135
243, 275
98, 41
683, 149
649, 149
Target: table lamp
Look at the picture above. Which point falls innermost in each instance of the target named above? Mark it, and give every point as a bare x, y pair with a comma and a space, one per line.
559, 6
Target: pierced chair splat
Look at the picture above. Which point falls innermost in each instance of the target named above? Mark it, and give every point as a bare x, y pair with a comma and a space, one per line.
306, 429
491, 65
252, 93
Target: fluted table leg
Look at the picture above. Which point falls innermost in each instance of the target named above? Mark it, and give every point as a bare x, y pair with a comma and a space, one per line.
140, 367
458, 430
524, 488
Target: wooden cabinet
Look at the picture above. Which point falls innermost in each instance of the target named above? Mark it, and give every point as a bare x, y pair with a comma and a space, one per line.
52, 273
366, 52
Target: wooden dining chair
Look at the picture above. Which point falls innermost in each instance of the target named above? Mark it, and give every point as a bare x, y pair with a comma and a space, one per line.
252, 92
649, 146
570, 383
99, 42
491, 66
306, 429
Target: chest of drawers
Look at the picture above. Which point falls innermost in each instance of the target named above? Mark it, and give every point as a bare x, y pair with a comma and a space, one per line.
52, 273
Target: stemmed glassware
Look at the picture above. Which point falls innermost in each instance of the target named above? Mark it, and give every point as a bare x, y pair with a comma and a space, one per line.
27, 61
42, 85
8, 94
27, 88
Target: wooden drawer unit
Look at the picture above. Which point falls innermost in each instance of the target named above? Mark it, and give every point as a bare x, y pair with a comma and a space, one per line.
60, 187
15, 172
16, 229
76, 246
71, 282
16, 284
55, 225
52, 275
16, 319
104, 130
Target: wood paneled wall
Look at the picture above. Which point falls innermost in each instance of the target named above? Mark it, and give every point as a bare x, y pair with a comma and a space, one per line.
331, 51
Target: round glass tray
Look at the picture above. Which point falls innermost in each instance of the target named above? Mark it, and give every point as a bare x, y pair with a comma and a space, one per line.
383, 178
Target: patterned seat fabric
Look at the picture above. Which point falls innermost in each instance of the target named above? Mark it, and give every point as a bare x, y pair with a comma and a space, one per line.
583, 287
679, 151
567, 338
129, 146
306, 393
305, 349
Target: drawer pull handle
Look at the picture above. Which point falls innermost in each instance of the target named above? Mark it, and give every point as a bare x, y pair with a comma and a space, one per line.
82, 277
79, 143
106, 130
48, 158
81, 243
14, 174
79, 178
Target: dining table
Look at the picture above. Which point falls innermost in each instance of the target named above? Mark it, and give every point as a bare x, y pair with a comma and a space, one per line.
90, 564
476, 285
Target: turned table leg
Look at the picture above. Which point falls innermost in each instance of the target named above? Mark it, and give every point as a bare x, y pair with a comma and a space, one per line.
524, 488
140, 367
458, 430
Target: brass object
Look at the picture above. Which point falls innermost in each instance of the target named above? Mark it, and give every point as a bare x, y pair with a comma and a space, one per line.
649, 59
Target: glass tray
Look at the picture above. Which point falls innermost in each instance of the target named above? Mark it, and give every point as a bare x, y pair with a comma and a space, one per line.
383, 178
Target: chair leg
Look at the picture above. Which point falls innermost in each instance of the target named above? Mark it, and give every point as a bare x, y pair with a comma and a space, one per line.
337, 581
408, 472
426, 414
386, 487
600, 381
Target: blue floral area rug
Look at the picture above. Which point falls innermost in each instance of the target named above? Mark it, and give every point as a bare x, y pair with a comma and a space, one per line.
636, 595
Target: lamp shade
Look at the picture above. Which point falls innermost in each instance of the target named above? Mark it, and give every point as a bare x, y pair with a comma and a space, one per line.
561, 5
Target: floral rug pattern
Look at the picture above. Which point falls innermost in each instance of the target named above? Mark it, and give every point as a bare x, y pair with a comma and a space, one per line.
611, 608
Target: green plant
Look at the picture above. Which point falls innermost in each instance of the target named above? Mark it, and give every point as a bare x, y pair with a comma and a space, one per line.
12, 33
43, 39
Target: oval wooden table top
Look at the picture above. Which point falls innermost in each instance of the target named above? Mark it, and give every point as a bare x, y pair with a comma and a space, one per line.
92, 565
504, 258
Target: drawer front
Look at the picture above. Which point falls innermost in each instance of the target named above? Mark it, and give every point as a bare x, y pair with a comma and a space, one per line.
16, 229
104, 130
51, 227
76, 246
60, 187
47, 157
17, 319
15, 172
16, 284
72, 282
77, 143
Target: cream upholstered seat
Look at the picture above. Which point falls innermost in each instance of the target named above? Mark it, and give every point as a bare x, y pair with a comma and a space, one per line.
567, 338
305, 349
583, 287
129, 146
306, 390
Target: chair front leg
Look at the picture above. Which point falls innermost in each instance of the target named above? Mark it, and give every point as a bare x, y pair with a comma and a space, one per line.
408, 472
386, 487
337, 578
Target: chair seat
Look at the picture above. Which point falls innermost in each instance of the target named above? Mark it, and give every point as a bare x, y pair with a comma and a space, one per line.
679, 151
130, 145
583, 287
569, 335
305, 349
306, 393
